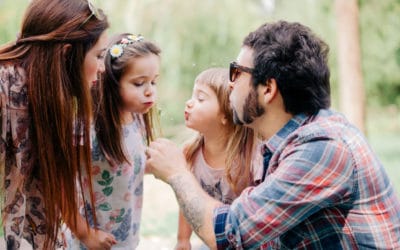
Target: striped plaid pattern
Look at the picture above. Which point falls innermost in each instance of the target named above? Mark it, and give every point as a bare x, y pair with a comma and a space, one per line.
324, 189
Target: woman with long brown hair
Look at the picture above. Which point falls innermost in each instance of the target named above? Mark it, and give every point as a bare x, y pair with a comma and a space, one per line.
45, 78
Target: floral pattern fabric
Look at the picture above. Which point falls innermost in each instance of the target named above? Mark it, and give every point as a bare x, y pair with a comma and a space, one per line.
118, 190
23, 200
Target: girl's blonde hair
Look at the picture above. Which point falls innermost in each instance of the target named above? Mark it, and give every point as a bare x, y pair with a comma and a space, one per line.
107, 117
240, 141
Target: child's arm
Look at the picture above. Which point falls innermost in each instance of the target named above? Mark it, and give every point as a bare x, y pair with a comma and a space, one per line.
92, 238
184, 233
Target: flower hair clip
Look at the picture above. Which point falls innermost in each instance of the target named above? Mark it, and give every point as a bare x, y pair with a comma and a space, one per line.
118, 49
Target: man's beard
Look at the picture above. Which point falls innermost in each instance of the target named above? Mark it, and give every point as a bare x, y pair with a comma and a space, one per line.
251, 109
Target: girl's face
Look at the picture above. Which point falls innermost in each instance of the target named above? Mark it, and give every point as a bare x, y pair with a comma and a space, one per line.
93, 63
138, 85
202, 111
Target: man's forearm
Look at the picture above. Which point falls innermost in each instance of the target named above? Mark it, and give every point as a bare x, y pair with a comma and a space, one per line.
196, 205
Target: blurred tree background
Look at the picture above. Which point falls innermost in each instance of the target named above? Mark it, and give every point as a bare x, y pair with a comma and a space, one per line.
195, 35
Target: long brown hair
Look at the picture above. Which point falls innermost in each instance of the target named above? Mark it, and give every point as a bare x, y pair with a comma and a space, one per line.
108, 124
240, 139
59, 100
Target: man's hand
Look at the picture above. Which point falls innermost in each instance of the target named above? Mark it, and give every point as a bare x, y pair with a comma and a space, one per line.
167, 162
165, 159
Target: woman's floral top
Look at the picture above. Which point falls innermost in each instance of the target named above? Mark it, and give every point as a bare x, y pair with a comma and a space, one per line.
23, 212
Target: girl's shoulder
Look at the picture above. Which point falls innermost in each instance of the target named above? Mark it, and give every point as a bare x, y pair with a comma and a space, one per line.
186, 147
137, 127
138, 118
138, 122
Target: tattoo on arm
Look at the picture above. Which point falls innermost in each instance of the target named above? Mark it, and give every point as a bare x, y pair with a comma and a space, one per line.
190, 200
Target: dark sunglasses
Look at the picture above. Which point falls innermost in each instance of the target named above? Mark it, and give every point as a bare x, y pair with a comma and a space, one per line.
235, 70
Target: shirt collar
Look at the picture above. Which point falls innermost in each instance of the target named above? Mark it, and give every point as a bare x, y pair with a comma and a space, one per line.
273, 143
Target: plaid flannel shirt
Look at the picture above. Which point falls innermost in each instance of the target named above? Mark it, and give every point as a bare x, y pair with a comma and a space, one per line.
324, 188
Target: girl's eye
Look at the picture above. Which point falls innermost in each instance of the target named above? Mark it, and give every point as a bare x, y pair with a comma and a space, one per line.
137, 84
100, 57
153, 83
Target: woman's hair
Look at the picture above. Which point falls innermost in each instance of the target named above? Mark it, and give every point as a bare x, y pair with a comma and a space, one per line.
297, 59
59, 99
240, 139
108, 101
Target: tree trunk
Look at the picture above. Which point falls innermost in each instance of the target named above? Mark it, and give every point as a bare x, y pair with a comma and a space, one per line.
351, 87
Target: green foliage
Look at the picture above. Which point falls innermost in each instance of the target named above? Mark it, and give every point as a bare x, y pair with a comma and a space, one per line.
10, 18
195, 35
380, 43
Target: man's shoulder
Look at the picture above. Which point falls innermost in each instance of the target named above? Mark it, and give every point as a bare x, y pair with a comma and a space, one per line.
327, 124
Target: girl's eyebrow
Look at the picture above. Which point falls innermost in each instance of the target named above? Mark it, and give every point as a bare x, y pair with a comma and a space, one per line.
199, 91
141, 77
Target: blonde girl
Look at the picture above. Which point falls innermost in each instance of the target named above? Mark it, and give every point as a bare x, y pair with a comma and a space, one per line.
222, 152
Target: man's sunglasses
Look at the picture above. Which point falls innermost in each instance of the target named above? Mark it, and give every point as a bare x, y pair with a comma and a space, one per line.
235, 70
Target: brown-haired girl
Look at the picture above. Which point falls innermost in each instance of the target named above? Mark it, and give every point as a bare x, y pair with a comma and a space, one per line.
123, 127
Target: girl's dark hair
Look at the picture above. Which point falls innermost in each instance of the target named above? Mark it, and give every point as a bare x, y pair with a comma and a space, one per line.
59, 101
297, 59
107, 102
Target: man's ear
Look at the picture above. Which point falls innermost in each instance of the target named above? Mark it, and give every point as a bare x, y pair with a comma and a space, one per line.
270, 89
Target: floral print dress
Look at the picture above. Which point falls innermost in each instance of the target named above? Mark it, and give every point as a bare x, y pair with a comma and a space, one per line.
23, 212
118, 189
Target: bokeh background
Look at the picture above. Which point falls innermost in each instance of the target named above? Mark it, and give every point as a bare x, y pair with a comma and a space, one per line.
195, 35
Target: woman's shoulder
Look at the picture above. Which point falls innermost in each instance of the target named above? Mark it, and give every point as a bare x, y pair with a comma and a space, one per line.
12, 75
11, 68
13, 83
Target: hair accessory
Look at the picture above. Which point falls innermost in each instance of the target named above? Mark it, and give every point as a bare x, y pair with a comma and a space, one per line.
118, 49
